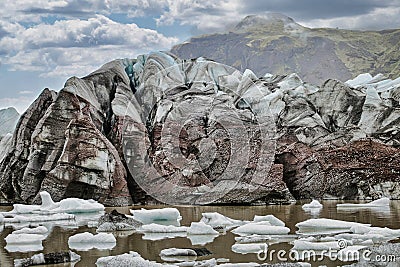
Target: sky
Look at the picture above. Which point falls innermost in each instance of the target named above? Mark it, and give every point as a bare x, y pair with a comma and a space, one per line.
44, 42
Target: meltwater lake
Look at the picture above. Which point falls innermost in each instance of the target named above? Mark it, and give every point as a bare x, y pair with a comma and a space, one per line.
221, 246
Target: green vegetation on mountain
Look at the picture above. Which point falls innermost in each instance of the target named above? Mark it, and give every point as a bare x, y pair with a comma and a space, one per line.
276, 44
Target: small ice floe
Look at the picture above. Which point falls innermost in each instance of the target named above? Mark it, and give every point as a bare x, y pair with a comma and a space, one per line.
250, 248
386, 232
269, 218
166, 216
127, 259
40, 230
86, 241
214, 219
200, 233
261, 228
15, 218
51, 258
314, 208
178, 255
379, 203
316, 246
200, 228
325, 226
314, 204
201, 240
162, 236
68, 205
158, 228
24, 242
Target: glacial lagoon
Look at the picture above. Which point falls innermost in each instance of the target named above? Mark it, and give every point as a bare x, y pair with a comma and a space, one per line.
221, 246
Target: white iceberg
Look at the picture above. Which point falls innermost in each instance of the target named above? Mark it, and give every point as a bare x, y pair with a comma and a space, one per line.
214, 219
158, 228
127, 259
382, 202
24, 238
386, 232
86, 241
166, 216
261, 228
40, 230
161, 236
315, 246
24, 247
200, 228
314, 204
201, 240
48, 206
178, 254
325, 226
16, 218
269, 218
250, 248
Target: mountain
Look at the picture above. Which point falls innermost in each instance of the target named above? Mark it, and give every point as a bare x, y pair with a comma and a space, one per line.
161, 129
8, 120
276, 44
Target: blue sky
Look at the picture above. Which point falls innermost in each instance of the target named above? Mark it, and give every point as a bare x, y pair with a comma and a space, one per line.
43, 42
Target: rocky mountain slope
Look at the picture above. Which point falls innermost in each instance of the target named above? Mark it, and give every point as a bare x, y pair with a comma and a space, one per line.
276, 44
159, 128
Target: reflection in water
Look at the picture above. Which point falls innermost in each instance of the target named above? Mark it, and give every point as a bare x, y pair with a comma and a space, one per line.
222, 244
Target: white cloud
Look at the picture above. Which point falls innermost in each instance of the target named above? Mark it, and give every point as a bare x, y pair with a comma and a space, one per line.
75, 47
377, 19
26, 92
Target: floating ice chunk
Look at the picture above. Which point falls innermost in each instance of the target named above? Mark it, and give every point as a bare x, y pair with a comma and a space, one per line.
161, 236
86, 241
201, 240
269, 218
40, 230
158, 228
1, 218
24, 247
178, 254
214, 219
315, 246
382, 202
157, 215
205, 263
250, 248
24, 238
131, 259
200, 228
315, 204
39, 218
325, 226
261, 228
386, 232
48, 206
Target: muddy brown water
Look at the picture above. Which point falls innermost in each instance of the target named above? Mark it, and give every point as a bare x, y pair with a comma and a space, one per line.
220, 247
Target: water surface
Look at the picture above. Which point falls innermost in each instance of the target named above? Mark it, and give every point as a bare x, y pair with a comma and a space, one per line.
221, 247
